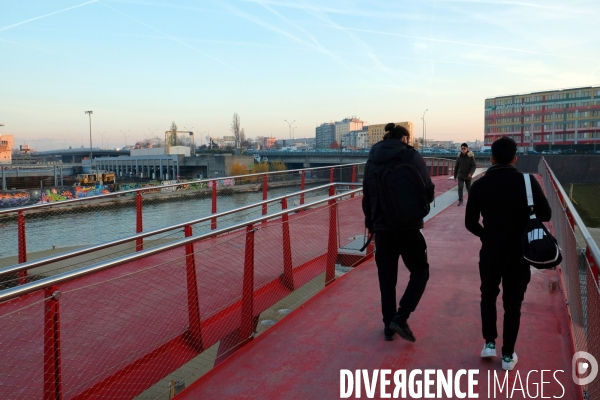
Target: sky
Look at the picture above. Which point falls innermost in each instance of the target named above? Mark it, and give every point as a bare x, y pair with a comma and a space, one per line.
140, 65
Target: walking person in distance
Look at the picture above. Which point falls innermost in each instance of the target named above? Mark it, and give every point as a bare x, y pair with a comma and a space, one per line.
397, 191
463, 170
500, 198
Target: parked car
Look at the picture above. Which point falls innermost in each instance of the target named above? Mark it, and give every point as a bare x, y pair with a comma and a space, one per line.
533, 152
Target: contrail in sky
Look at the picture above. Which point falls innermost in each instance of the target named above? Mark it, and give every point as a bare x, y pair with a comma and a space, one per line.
168, 36
47, 15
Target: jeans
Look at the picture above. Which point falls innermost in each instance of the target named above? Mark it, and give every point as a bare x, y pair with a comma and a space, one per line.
513, 272
462, 182
390, 245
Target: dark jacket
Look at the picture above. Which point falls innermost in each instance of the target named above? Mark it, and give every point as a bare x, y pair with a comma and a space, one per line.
465, 165
382, 153
500, 197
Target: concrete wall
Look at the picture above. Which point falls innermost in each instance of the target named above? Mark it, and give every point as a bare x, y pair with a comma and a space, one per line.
567, 168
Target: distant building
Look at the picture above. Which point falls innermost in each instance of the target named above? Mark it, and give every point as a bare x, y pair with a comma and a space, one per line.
325, 135
562, 118
357, 138
376, 132
328, 133
268, 142
345, 126
6, 146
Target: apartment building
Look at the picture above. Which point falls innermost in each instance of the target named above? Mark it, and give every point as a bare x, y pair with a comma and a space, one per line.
376, 132
553, 119
6, 147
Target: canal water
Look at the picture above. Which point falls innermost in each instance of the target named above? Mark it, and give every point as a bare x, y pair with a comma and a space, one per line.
89, 226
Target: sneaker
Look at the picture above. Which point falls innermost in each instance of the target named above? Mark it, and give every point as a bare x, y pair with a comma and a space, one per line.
460, 203
388, 334
489, 350
402, 329
508, 362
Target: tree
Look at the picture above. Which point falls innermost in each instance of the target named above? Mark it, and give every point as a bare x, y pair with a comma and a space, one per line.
238, 169
278, 165
237, 130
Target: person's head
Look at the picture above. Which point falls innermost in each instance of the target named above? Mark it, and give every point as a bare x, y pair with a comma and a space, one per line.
504, 151
464, 148
393, 131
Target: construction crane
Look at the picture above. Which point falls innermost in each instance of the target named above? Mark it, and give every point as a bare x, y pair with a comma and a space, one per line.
171, 139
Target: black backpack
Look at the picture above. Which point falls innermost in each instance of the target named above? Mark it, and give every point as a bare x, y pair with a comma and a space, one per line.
401, 194
540, 248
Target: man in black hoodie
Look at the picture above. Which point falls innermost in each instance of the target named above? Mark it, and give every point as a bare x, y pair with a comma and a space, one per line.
500, 198
393, 241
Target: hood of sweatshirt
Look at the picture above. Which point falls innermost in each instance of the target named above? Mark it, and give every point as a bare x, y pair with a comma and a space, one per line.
385, 150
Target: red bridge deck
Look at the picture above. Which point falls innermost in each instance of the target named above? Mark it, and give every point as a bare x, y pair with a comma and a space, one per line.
340, 328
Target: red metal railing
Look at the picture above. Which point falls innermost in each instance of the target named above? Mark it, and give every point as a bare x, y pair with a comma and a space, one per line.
86, 312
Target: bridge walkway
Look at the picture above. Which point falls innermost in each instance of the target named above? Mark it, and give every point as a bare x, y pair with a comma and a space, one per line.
301, 356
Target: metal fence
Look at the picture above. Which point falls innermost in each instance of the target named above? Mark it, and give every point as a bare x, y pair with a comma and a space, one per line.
579, 272
147, 322
61, 224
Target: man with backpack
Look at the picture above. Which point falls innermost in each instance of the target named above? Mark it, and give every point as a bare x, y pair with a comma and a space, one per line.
397, 191
500, 197
464, 170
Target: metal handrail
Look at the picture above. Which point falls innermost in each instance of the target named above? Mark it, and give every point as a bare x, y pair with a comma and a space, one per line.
15, 292
592, 246
90, 249
66, 202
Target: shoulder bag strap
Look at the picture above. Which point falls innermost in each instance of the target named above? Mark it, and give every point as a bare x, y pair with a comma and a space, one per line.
529, 194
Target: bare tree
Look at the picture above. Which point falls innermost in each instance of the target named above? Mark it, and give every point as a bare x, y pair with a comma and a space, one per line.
237, 130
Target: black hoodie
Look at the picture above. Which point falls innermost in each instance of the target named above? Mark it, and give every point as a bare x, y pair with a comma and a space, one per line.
382, 153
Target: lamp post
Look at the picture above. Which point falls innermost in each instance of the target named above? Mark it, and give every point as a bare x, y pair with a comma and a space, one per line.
290, 126
125, 135
192, 144
89, 113
424, 132
102, 137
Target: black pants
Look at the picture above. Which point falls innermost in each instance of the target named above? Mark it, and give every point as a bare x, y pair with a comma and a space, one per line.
390, 245
462, 182
513, 272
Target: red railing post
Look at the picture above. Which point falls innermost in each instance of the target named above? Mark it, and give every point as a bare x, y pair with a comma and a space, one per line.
331, 188
139, 226
302, 182
247, 324
593, 263
288, 276
192, 292
213, 221
353, 179
332, 247
52, 361
265, 193
431, 168
22, 243
437, 172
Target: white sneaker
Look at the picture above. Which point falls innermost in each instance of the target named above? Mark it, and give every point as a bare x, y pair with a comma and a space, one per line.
489, 350
508, 363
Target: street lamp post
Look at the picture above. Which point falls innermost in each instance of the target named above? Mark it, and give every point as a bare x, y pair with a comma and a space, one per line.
125, 135
89, 113
290, 126
102, 137
424, 132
